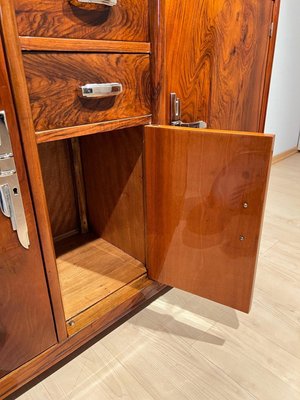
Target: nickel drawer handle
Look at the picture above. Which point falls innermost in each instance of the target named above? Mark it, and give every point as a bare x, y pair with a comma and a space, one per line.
88, 3
100, 90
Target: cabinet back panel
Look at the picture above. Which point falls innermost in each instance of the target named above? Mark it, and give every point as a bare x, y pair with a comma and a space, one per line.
113, 174
56, 163
216, 60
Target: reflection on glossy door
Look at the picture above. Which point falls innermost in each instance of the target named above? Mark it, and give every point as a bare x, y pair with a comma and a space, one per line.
205, 194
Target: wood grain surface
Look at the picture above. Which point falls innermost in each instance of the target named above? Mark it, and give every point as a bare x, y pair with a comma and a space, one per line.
113, 174
127, 21
90, 129
58, 175
22, 104
216, 60
31, 43
200, 237
109, 304
269, 65
91, 269
54, 79
26, 320
160, 103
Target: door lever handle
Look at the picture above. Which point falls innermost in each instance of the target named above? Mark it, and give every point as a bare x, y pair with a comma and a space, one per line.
11, 203
176, 115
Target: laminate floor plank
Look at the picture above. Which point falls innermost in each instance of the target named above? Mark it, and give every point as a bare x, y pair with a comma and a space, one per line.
184, 347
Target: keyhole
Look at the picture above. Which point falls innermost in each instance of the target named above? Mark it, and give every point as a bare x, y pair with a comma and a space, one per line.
16, 192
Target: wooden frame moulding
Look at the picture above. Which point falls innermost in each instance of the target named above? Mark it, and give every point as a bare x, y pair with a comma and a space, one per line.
88, 129
160, 108
29, 43
22, 104
269, 66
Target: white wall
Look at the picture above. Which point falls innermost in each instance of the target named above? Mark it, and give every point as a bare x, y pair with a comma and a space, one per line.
283, 115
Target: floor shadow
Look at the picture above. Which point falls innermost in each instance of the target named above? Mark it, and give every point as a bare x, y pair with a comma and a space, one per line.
155, 321
202, 307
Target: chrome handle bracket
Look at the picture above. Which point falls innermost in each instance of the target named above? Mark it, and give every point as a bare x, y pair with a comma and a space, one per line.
109, 3
100, 90
11, 203
93, 4
176, 115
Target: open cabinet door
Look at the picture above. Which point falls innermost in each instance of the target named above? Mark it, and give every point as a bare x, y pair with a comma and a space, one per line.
205, 196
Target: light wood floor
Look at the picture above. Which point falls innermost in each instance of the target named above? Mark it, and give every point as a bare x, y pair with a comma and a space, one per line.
184, 347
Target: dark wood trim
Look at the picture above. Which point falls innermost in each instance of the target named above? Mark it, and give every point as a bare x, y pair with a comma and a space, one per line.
269, 66
80, 186
29, 43
158, 62
38, 365
20, 93
83, 130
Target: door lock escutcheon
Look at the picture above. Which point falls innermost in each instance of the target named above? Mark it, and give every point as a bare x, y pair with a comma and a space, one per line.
176, 115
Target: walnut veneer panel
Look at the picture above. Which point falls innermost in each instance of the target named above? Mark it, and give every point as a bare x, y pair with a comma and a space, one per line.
56, 164
54, 79
26, 321
91, 269
127, 21
200, 237
113, 174
216, 59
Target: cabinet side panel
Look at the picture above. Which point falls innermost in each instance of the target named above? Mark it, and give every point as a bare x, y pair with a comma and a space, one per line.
113, 174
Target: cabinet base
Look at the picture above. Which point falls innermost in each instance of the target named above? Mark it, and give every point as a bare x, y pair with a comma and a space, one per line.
27, 372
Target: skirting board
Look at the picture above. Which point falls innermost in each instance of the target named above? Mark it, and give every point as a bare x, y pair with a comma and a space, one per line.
285, 154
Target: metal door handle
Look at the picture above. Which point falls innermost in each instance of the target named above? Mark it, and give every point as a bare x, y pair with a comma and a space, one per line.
11, 203
88, 3
100, 90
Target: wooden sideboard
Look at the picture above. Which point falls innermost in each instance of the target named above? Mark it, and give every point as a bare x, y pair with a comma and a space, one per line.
123, 193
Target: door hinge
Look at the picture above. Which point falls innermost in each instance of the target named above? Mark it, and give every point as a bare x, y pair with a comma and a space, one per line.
271, 29
176, 115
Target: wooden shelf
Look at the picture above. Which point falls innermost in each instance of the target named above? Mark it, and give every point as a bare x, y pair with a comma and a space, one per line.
91, 269
89, 129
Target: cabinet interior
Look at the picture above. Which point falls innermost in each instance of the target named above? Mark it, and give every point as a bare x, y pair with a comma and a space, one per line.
94, 192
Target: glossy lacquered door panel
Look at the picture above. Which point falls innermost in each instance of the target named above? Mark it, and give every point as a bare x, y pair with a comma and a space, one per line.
216, 59
26, 322
205, 194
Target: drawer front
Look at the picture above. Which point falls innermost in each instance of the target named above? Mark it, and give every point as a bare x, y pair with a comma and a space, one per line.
127, 20
54, 80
